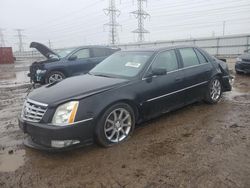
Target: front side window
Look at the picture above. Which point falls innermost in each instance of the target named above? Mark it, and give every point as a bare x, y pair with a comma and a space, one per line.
122, 64
83, 53
189, 57
64, 52
166, 60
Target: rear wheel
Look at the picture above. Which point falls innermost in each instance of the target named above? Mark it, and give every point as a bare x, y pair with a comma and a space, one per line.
214, 91
116, 125
54, 76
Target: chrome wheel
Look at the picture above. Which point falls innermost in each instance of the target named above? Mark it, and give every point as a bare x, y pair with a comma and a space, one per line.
215, 90
55, 77
118, 125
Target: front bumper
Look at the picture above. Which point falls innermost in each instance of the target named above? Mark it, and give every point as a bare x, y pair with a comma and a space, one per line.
41, 136
242, 67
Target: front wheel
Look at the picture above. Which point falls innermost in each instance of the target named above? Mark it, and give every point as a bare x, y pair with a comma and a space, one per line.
214, 91
116, 125
54, 76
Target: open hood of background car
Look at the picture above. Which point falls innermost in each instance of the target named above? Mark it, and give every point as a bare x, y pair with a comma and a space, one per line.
44, 50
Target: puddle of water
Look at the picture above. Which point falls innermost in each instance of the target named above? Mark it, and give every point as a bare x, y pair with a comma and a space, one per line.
11, 162
238, 96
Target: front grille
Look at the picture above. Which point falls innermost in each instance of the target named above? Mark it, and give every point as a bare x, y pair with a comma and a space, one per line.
33, 111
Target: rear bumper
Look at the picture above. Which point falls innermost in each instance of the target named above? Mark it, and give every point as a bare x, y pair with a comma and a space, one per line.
41, 136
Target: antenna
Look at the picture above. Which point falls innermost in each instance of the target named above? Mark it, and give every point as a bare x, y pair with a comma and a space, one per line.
113, 13
140, 15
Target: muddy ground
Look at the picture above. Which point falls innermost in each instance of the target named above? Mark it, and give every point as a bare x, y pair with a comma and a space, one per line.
197, 146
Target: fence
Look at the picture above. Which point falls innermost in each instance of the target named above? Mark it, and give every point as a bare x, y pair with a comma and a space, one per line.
224, 46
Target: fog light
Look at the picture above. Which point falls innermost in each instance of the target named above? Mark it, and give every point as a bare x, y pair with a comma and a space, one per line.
63, 143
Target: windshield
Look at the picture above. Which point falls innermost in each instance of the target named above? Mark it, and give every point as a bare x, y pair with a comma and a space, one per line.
64, 52
122, 64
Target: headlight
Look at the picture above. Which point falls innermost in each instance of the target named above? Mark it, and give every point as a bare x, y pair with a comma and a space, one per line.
65, 114
238, 59
39, 71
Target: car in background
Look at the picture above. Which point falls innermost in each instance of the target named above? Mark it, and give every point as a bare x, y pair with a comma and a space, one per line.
243, 63
66, 62
125, 89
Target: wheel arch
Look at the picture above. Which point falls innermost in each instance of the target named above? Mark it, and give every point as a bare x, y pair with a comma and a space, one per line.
129, 102
57, 69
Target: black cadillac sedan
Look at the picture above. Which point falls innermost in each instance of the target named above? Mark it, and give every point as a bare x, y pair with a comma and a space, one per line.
123, 90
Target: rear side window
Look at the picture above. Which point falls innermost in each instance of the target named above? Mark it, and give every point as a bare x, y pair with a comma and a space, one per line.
99, 52
189, 57
166, 60
201, 57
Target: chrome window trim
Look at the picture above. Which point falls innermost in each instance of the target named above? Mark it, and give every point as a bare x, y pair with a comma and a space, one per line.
144, 78
200, 64
155, 98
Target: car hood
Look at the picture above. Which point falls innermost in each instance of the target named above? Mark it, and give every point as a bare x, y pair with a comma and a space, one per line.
245, 56
44, 50
76, 87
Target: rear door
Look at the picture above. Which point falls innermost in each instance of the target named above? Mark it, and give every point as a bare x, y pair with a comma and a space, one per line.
163, 93
196, 69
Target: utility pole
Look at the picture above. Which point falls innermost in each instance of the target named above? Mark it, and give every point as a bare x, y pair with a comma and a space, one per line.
20, 39
224, 25
2, 38
50, 45
140, 15
113, 13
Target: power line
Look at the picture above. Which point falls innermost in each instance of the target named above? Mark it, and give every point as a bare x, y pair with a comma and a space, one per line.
113, 13
20, 39
140, 15
2, 38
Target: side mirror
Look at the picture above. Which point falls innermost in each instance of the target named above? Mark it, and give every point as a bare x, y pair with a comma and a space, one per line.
159, 71
72, 58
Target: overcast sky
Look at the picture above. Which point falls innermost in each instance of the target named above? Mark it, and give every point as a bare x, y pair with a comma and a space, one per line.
79, 22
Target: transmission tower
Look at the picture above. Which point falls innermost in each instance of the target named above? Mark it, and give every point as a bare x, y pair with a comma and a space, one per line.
2, 38
140, 15
113, 13
20, 39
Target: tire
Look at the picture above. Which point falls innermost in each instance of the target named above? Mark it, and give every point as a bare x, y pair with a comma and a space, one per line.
55, 74
114, 128
214, 91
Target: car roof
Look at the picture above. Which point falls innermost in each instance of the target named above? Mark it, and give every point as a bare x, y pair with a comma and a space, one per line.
158, 49
97, 46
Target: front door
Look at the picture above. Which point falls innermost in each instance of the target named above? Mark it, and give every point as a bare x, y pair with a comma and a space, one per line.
163, 93
82, 62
